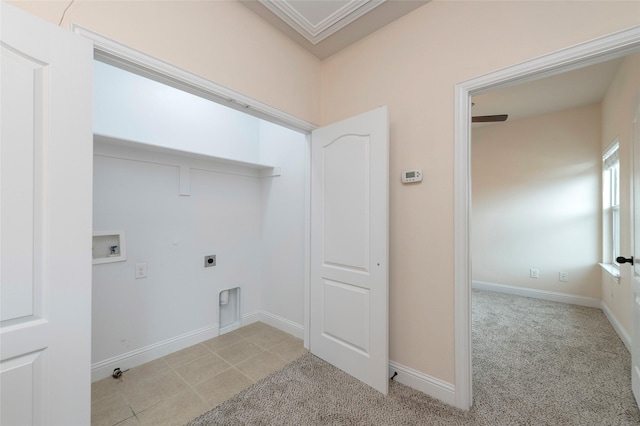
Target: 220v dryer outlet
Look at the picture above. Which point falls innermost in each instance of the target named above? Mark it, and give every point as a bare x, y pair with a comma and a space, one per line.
210, 260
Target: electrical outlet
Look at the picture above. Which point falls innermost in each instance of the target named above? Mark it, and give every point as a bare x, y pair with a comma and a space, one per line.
563, 276
533, 273
141, 270
210, 260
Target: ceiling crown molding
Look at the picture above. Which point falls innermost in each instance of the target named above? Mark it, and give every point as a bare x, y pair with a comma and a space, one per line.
315, 32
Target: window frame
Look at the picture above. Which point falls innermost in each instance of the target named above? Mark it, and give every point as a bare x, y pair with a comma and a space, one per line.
611, 204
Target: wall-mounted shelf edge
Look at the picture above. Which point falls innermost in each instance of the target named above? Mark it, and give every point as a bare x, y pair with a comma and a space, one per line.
110, 146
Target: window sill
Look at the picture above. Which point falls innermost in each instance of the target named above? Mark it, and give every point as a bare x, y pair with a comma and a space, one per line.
611, 269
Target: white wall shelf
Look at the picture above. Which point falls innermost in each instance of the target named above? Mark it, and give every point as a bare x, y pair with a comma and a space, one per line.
109, 247
109, 146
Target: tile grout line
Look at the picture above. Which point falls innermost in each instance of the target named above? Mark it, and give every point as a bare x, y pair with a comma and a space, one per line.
189, 384
209, 351
232, 366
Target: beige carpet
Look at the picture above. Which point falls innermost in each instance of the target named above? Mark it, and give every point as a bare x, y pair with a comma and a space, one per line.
535, 363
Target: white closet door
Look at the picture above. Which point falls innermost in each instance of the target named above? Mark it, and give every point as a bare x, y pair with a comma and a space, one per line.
349, 246
45, 222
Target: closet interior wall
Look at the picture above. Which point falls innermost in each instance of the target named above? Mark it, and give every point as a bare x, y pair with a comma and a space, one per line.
254, 225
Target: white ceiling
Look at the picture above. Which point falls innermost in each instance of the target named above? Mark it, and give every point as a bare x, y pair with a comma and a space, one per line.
325, 27
573, 89
317, 20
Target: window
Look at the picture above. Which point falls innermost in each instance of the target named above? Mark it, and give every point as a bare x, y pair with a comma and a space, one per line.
611, 205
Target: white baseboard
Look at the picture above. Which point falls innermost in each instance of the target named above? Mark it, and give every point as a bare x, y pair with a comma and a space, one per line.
246, 319
431, 386
624, 336
537, 294
283, 324
560, 297
250, 318
105, 368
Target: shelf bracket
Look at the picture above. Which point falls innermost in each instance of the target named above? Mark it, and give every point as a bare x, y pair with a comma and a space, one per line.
185, 181
271, 172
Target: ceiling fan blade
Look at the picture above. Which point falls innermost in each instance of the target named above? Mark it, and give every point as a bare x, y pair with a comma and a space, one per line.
489, 118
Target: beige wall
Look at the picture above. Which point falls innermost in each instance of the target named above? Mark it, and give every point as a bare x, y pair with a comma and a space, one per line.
618, 108
411, 65
537, 200
221, 41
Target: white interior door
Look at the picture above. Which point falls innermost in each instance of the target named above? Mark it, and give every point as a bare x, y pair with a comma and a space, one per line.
349, 246
45, 222
635, 276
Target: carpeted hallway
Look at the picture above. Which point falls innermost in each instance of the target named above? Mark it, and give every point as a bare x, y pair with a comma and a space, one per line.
535, 363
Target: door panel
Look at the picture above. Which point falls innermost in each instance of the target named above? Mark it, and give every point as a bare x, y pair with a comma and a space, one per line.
21, 400
21, 78
45, 222
351, 329
346, 202
349, 246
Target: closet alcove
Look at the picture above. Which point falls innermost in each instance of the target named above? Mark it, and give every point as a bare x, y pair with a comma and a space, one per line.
184, 177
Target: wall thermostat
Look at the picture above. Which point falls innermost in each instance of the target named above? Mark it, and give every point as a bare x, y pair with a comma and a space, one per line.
409, 176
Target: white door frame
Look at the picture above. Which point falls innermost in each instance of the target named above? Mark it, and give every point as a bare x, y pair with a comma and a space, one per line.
602, 49
129, 59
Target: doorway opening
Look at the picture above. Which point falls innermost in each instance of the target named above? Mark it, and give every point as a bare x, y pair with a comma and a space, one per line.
535, 238
370, 342
227, 176
600, 50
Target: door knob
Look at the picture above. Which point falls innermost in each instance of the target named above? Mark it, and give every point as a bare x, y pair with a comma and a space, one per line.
621, 259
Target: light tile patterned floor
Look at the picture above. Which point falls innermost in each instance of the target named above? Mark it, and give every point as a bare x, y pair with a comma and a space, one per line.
180, 386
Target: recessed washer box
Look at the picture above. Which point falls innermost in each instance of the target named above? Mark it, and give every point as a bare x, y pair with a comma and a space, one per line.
108, 247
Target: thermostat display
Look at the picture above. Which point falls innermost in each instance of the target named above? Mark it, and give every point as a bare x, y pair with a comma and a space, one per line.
409, 176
